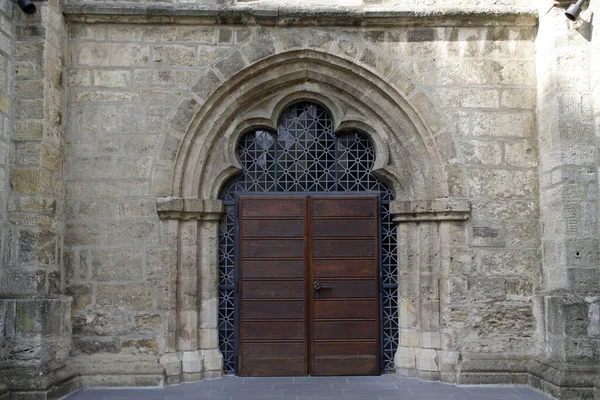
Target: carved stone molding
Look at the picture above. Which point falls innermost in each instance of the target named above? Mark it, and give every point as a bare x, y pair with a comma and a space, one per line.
188, 209
441, 209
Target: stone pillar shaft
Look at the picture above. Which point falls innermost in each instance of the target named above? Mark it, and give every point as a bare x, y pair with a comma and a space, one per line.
197, 353
423, 256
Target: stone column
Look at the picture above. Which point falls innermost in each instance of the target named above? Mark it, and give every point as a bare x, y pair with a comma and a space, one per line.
197, 354
208, 267
423, 255
568, 98
35, 324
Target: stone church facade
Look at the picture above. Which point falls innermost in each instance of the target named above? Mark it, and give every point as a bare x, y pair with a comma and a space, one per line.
123, 123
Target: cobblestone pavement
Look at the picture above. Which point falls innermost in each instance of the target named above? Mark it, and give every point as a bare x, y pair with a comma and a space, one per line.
386, 387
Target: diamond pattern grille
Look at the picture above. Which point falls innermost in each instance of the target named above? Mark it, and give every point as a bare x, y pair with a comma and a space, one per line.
305, 156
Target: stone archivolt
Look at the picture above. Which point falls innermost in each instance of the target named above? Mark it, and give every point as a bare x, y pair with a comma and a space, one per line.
407, 153
406, 156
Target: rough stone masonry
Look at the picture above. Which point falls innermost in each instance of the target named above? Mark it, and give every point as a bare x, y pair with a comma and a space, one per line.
118, 127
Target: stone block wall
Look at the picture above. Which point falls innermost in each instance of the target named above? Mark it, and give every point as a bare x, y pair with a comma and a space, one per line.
6, 95
91, 142
568, 144
36, 339
119, 258
568, 135
353, 3
125, 84
33, 244
35, 324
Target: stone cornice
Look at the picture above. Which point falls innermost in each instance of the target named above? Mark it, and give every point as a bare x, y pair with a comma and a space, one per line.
442, 209
263, 14
189, 209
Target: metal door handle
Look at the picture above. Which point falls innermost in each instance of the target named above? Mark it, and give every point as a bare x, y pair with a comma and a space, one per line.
318, 285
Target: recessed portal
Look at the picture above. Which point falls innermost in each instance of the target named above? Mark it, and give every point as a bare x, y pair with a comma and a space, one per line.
305, 157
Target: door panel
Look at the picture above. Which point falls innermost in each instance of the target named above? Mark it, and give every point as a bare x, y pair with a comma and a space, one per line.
346, 366
342, 330
359, 357
343, 207
286, 246
273, 366
273, 330
341, 228
271, 268
344, 311
348, 289
331, 248
279, 248
334, 349
277, 207
273, 228
273, 310
352, 268
272, 289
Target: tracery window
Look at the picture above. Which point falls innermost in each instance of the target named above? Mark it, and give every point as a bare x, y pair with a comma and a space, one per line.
306, 156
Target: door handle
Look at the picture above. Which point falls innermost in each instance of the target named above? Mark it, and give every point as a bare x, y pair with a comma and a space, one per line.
318, 285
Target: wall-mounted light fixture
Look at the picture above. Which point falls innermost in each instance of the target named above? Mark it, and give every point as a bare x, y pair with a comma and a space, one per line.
574, 10
26, 6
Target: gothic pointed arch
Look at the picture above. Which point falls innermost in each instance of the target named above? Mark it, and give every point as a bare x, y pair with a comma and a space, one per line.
408, 153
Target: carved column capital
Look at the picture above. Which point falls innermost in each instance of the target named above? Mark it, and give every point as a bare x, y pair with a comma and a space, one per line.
189, 209
441, 209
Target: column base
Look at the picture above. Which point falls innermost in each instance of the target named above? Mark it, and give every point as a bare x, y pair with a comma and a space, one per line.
192, 366
559, 380
36, 343
427, 364
113, 370
33, 384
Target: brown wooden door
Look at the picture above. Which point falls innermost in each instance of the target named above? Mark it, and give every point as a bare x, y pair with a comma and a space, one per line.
272, 289
344, 263
287, 245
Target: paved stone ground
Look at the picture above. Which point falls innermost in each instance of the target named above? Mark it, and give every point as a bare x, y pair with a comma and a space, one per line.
386, 387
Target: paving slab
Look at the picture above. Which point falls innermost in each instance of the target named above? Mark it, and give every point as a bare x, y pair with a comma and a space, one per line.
385, 387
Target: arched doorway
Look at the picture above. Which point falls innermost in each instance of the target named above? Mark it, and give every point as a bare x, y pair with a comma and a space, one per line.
414, 153
306, 157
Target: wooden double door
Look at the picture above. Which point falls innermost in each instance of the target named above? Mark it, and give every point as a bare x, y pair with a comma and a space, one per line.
308, 285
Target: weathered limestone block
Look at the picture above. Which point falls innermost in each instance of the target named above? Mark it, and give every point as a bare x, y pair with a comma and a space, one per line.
192, 365
96, 345
173, 368
431, 340
148, 323
405, 359
4, 393
174, 55
427, 359
117, 264
124, 297
113, 55
448, 360
213, 364
118, 370
106, 324
138, 346
36, 337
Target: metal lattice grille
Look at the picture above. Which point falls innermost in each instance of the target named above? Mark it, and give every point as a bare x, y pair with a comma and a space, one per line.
305, 156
